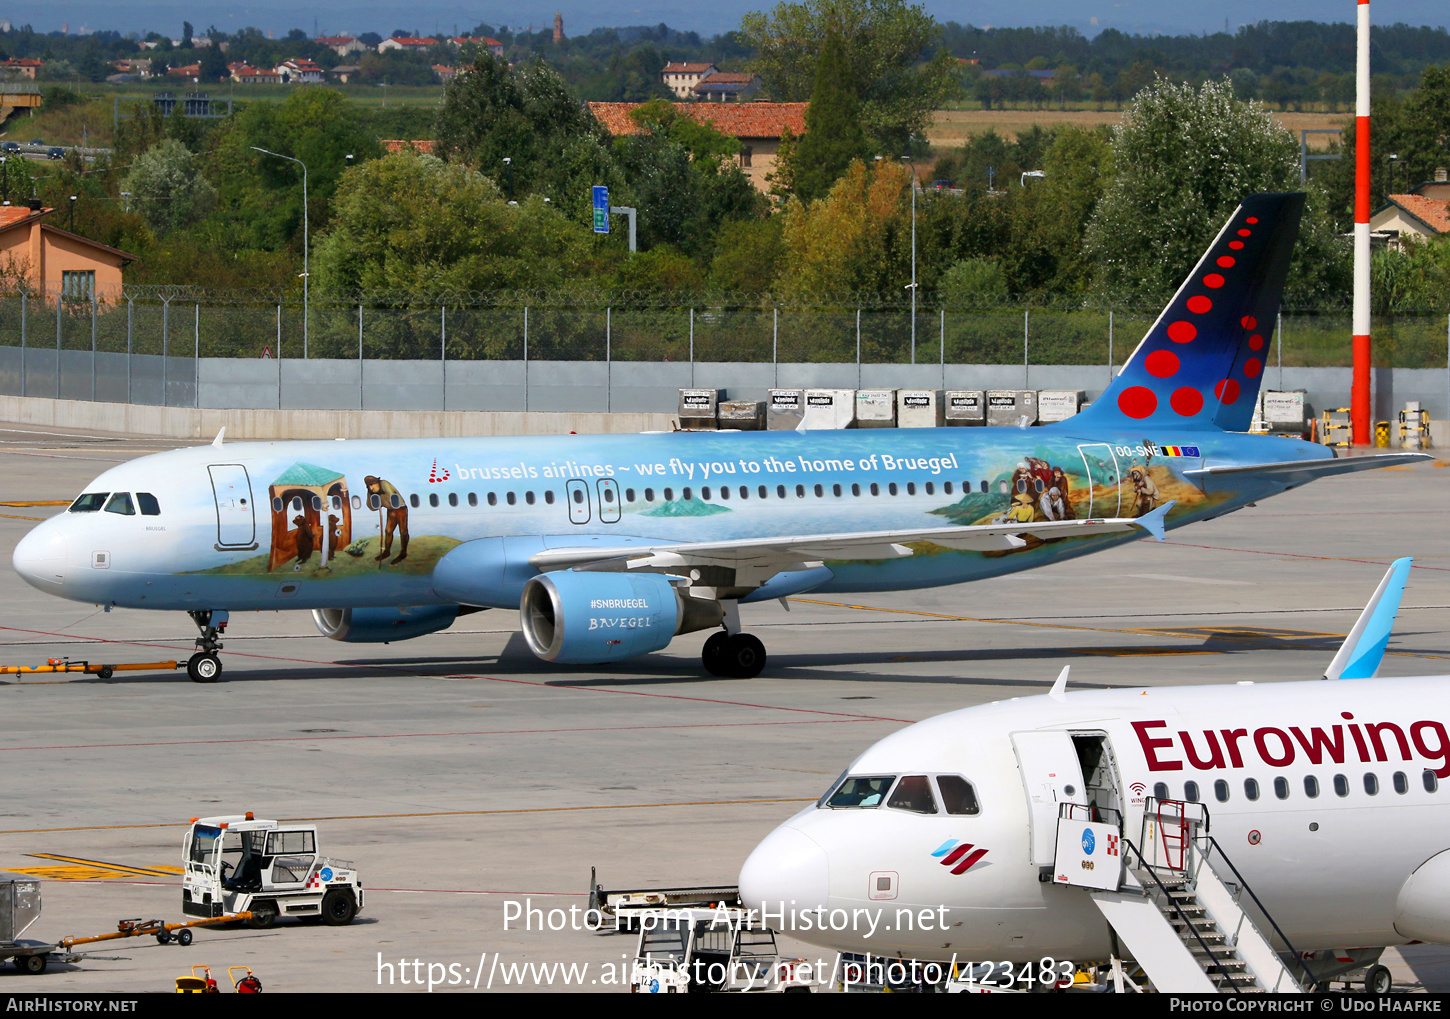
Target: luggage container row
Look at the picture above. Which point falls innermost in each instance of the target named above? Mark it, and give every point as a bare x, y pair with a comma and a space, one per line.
789, 409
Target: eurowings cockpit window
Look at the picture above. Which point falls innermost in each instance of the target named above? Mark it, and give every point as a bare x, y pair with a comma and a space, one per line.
89, 503
861, 791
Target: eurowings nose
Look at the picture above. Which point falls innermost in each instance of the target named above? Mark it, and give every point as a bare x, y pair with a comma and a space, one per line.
788, 870
41, 556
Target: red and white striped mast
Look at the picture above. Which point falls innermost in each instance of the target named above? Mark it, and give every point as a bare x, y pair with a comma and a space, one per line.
1359, 395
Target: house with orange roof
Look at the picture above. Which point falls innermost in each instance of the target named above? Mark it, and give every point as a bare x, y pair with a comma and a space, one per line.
300, 71
681, 78
55, 259
727, 87
411, 44
342, 45
482, 42
22, 66
758, 126
1424, 212
247, 75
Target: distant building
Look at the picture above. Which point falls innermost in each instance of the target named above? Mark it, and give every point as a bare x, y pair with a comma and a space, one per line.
409, 43
62, 262
189, 72
139, 66
758, 126
299, 72
345, 72
248, 75
483, 42
681, 79
1423, 213
22, 67
342, 45
727, 87
558, 27
445, 73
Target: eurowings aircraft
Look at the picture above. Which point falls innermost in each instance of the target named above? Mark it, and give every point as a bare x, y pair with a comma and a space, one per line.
1243, 835
610, 546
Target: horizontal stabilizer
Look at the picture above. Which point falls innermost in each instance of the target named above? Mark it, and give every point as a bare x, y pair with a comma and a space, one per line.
1297, 472
1360, 654
1153, 522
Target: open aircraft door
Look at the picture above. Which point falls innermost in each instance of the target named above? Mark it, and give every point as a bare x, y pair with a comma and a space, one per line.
1051, 774
1105, 481
235, 525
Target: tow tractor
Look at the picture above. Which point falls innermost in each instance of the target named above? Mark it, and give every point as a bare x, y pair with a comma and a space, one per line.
705, 950
239, 863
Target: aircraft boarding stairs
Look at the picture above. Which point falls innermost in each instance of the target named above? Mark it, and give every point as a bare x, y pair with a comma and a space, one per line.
1174, 903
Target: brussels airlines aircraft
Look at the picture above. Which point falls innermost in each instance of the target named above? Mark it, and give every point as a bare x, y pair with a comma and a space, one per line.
1022, 826
612, 545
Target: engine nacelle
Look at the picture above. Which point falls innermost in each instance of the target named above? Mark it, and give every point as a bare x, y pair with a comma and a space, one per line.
1422, 911
586, 618
382, 626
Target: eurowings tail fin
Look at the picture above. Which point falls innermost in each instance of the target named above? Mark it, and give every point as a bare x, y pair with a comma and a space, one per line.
1360, 654
1200, 365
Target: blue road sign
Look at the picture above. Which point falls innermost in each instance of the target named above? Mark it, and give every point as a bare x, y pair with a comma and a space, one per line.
601, 209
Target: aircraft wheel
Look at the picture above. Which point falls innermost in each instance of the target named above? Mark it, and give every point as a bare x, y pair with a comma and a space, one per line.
1378, 980
204, 667
744, 656
713, 654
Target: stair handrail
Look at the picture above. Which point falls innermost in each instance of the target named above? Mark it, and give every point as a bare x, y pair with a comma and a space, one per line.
1243, 884
1182, 915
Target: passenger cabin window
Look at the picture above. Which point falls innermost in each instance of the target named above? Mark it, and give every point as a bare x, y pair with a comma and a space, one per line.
1190, 791
396, 501
413, 499
913, 793
1220, 791
1341, 785
549, 498
89, 503
1311, 786
121, 503
1160, 790
1431, 781
1281, 788
453, 498
1402, 783
1251, 788
513, 500
861, 791
1371, 783
957, 795
433, 500
149, 506
473, 498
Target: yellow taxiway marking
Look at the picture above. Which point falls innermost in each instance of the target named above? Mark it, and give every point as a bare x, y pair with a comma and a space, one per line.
119, 868
36, 502
67, 873
17, 516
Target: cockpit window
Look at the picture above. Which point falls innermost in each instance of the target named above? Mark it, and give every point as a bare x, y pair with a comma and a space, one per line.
957, 794
121, 503
89, 503
149, 506
913, 793
861, 791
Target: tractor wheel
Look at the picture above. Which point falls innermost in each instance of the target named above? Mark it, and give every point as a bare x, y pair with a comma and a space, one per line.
338, 907
264, 915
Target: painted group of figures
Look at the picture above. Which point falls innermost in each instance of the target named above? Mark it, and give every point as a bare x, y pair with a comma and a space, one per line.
1041, 491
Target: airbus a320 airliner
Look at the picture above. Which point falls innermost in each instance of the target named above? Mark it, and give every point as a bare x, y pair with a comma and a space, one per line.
610, 546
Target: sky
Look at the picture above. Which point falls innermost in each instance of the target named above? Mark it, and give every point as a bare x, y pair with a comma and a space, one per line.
383, 16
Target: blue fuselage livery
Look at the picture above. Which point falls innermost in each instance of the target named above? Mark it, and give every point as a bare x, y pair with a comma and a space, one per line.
610, 546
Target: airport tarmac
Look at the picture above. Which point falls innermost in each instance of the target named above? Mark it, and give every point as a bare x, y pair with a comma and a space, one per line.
460, 773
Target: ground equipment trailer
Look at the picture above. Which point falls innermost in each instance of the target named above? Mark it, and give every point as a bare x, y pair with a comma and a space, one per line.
19, 908
619, 909
239, 863
710, 950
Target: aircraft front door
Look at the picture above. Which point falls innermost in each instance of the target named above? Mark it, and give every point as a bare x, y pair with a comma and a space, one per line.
1051, 774
1104, 480
609, 508
235, 525
576, 494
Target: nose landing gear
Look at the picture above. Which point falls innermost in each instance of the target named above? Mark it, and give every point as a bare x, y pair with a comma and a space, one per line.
205, 666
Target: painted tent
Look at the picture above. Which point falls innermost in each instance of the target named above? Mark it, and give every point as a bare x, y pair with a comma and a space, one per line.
311, 514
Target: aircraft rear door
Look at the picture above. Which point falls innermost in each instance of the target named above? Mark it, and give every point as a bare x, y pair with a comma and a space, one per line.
1051, 775
576, 494
1104, 480
235, 525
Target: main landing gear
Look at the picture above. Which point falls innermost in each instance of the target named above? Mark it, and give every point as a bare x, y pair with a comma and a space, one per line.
732, 654
205, 666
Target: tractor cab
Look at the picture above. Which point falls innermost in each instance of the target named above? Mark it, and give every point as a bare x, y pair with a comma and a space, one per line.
239, 863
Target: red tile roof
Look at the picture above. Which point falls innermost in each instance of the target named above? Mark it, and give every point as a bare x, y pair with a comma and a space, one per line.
423, 146
741, 120
1432, 212
12, 214
686, 68
414, 41
333, 40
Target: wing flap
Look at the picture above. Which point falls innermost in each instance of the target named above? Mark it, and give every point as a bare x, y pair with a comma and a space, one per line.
1297, 472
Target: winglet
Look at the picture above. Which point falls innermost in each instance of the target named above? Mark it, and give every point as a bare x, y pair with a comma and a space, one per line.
218, 440
1359, 656
1153, 522
1059, 689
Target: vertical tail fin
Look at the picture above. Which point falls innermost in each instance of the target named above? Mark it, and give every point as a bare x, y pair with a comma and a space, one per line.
1200, 365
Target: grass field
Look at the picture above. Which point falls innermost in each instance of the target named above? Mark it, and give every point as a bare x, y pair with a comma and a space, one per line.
951, 127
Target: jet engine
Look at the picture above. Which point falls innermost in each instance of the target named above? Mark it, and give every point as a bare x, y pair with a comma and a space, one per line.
382, 626
1422, 911
586, 618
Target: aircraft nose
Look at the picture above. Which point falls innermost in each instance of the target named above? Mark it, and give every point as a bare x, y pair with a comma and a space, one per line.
787, 870
40, 557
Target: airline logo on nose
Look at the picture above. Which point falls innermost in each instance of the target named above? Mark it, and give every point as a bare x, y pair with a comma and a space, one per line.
959, 856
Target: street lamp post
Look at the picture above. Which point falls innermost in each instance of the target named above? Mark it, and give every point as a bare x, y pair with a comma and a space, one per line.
305, 276
508, 166
913, 257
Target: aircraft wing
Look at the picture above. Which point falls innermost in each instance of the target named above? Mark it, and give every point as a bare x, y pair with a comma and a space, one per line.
770, 555
1297, 472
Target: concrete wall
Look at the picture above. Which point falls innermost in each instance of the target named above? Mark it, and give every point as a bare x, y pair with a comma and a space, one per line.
580, 387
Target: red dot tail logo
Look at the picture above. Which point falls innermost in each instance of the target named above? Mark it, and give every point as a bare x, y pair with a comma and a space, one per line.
437, 476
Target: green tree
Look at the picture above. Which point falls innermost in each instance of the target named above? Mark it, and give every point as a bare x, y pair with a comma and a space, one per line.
856, 238
898, 72
213, 64
415, 223
973, 280
1184, 159
833, 135
748, 255
167, 188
